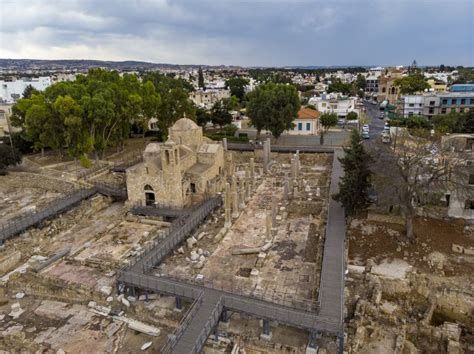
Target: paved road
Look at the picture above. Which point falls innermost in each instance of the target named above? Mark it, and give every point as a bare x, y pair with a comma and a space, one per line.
375, 123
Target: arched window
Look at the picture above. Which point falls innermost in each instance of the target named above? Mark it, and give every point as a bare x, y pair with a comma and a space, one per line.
148, 188
383, 89
167, 157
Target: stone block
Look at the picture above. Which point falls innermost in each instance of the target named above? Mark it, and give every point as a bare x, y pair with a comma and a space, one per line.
457, 249
469, 251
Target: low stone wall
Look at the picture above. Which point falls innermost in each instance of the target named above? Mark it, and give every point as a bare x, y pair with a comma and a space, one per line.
32, 180
53, 289
9, 261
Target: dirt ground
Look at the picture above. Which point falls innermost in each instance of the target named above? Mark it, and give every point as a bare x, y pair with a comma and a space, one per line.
376, 240
406, 296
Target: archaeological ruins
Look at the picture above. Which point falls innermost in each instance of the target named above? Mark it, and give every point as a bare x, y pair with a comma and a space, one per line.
191, 245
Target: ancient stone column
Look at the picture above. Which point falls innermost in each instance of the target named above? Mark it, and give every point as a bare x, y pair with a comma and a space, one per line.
269, 150
233, 186
291, 186
252, 173
318, 192
298, 165
235, 204
294, 172
265, 156
224, 143
286, 189
268, 230
242, 194
274, 209
247, 185
227, 203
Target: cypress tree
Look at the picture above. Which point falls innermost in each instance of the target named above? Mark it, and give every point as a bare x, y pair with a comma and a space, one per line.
200, 79
354, 186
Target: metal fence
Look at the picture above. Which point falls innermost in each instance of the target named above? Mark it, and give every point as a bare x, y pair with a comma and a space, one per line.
111, 190
300, 318
122, 167
184, 323
176, 235
208, 326
158, 210
256, 293
97, 168
281, 148
22, 223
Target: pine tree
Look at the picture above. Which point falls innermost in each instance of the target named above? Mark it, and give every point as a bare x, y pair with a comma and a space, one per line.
201, 79
354, 186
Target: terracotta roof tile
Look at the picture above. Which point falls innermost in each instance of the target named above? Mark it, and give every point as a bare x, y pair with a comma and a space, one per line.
308, 113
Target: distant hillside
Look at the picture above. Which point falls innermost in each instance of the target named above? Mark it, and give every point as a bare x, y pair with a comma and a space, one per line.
68, 64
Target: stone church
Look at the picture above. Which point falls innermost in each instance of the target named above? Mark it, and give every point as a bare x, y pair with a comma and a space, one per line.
184, 170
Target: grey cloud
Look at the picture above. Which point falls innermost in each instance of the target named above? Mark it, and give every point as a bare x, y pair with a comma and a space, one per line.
271, 32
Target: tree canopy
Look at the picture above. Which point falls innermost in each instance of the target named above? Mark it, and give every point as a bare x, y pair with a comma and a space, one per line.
412, 83
9, 156
351, 116
354, 185
327, 120
454, 122
273, 107
237, 86
201, 79
97, 110
220, 114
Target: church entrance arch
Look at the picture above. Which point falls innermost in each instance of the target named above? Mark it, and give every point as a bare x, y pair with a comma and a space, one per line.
149, 196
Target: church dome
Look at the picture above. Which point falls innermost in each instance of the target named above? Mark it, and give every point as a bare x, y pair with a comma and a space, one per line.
184, 124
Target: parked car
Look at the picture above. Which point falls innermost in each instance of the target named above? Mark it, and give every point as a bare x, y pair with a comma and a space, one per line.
365, 127
365, 135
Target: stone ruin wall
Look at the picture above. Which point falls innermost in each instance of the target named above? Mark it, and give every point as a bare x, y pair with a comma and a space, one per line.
32, 180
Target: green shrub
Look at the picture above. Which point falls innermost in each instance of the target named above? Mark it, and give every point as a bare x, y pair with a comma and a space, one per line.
85, 162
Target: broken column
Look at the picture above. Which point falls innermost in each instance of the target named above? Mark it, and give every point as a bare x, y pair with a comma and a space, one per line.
265, 156
235, 201
298, 162
227, 205
274, 210
247, 184
241, 194
291, 187
294, 166
268, 229
286, 189
233, 186
252, 173
224, 143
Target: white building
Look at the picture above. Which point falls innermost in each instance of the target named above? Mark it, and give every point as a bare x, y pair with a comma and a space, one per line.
307, 123
413, 105
5, 113
11, 91
335, 104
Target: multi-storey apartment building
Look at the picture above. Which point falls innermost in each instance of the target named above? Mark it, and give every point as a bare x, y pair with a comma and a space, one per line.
432, 104
12, 90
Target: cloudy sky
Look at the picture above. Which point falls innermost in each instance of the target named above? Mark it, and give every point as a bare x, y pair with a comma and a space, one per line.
241, 32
